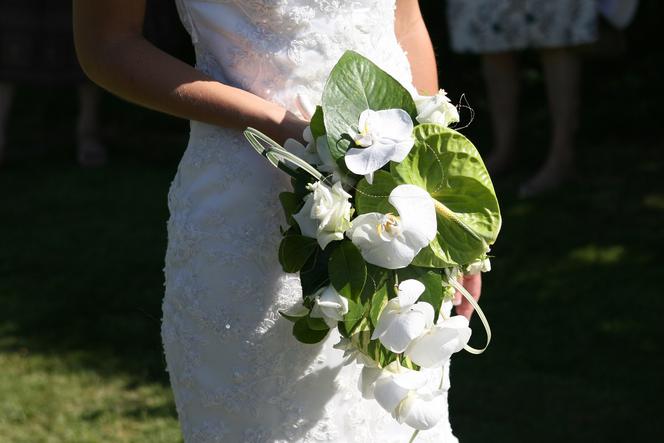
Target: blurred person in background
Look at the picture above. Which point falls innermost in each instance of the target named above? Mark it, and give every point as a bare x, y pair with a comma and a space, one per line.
36, 48
497, 30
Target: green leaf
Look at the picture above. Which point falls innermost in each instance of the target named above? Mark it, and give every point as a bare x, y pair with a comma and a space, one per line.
354, 317
304, 334
373, 198
378, 302
372, 348
376, 278
355, 85
317, 123
347, 270
291, 203
433, 285
448, 166
300, 185
313, 274
290, 317
295, 250
317, 324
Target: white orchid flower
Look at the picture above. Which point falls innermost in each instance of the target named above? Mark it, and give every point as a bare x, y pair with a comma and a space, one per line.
436, 345
367, 380
327, 165
307, 153
394, 385
403, 318
422, 409
390, 241
330, 306
383, 136
326, 213
404, 394
317, 153
436, 109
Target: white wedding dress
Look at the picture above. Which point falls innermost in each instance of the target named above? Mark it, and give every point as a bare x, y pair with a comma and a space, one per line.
237, 373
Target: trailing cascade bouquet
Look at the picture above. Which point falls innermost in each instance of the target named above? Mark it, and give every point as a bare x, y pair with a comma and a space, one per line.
389, 207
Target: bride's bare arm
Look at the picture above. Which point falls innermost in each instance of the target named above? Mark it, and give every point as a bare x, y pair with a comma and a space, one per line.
414, 39
114, 54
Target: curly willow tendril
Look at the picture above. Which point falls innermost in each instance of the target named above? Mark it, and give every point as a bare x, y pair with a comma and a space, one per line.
463, 104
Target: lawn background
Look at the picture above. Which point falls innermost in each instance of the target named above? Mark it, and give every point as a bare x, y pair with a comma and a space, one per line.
574, 299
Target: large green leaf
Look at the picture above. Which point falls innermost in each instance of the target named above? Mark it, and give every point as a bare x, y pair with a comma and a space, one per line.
373, 198
448, 166
348, 271
295, 250
355, 85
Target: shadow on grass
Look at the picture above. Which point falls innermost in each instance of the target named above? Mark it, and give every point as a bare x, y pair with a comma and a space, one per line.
80, 265
575, 303
574, 298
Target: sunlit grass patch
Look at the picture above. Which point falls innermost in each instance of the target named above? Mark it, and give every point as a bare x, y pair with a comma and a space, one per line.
45, 399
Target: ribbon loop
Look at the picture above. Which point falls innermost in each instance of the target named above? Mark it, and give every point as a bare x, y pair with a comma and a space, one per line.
277, 155
459, 287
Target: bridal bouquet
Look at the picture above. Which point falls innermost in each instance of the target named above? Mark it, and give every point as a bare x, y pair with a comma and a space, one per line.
389, 207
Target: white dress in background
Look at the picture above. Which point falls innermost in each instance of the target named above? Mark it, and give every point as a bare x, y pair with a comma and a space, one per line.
237, 372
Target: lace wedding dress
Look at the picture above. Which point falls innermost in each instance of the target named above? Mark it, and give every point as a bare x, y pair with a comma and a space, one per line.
237, 373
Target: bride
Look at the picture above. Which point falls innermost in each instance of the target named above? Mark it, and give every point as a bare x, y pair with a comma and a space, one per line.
236, 372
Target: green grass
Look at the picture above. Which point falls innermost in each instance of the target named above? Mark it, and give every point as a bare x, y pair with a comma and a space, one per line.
80, 288
575, 302
58, 398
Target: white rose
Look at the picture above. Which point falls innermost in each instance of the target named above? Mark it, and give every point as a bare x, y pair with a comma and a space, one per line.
330, 306
326, 213
436, 109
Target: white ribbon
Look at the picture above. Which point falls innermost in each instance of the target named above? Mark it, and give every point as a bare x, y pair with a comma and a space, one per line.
277, 155
459, 287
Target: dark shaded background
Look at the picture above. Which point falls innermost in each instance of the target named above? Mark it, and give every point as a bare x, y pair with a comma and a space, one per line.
575, 298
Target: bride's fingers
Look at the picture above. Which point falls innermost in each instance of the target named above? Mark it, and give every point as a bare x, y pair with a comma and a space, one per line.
458, 298
473, 284
305, 106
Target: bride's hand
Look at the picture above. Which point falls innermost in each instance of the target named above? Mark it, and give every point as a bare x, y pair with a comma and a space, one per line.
473, 284
288, 126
